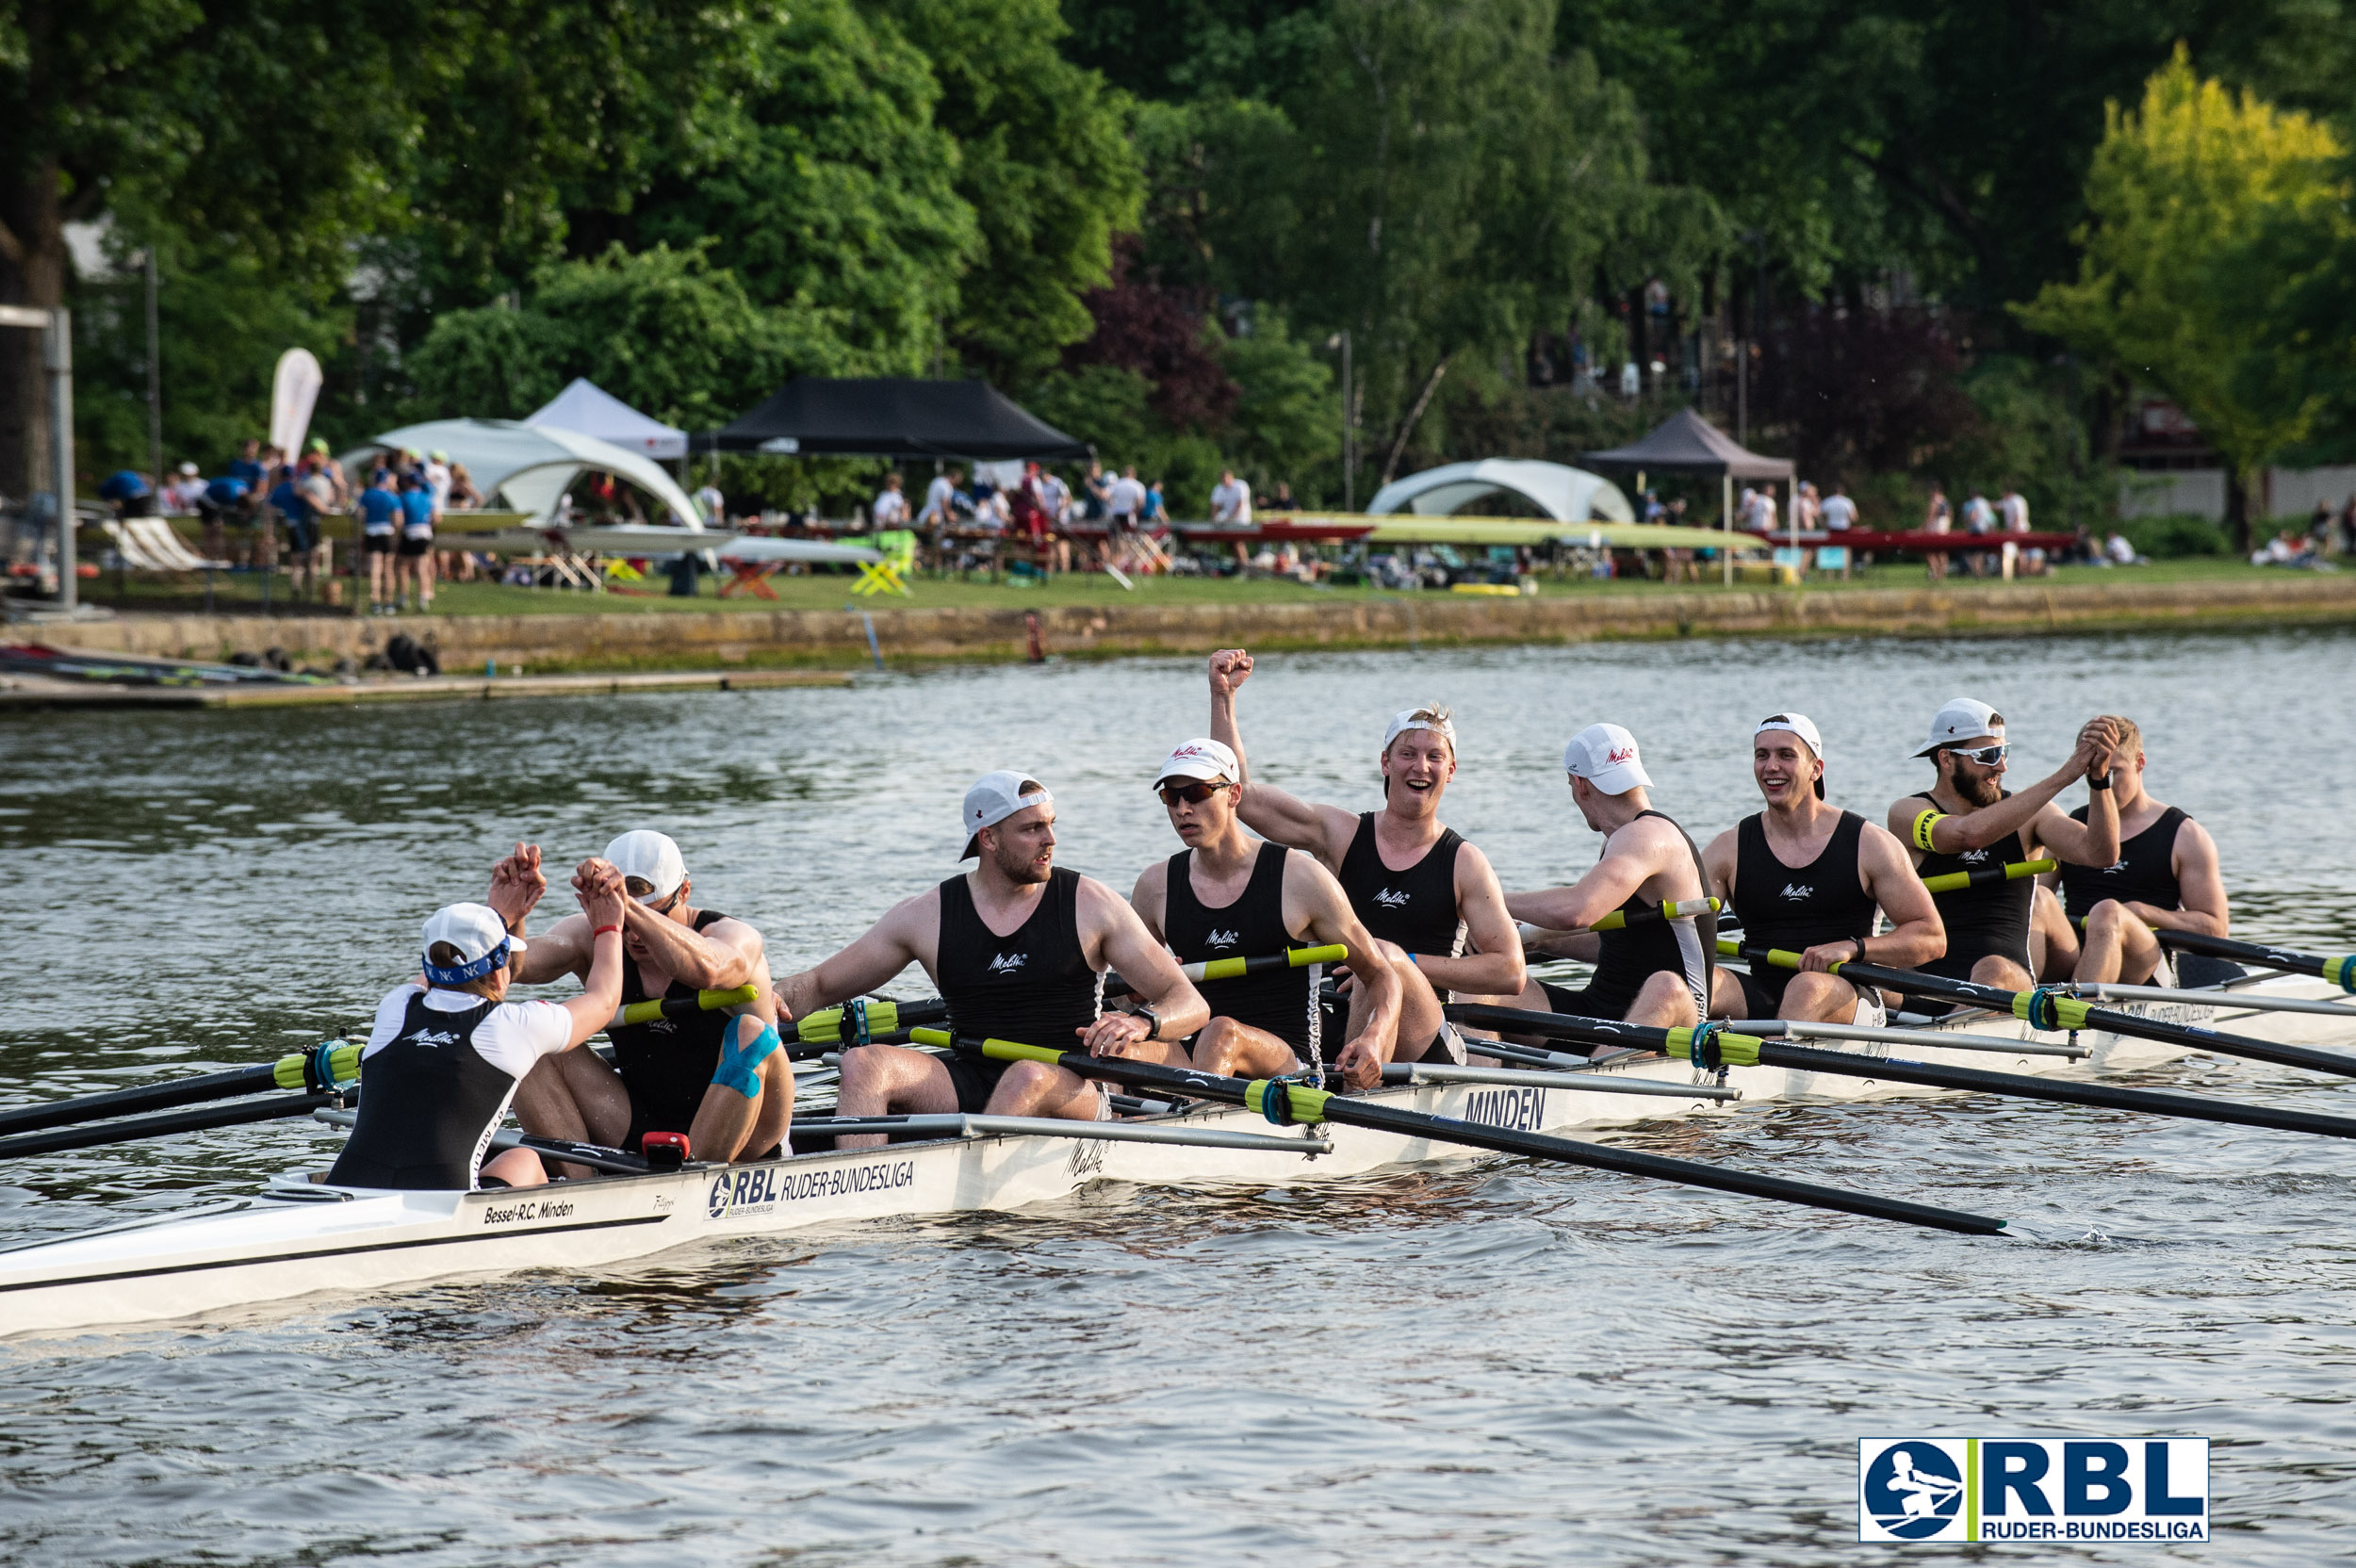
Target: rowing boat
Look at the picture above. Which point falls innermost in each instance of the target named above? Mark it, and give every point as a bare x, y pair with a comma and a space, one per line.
300, 1236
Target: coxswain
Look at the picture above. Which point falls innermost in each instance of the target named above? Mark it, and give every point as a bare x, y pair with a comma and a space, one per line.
1429, 898
2166, 876
1017, 948
716, 1076
1969, 822
447, 1056
1231, 895
1808, 878
1648, 969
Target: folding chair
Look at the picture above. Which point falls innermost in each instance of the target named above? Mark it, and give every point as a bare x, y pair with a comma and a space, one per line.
888, 575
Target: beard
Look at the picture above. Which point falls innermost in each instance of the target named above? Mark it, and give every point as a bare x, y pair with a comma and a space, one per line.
1987, 790
1016, 866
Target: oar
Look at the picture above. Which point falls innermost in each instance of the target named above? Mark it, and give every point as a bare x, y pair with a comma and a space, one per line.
2105, 990
1284, 1104
1714, 1045
161, 1126
2341, 971
1620, 919
1981, 876
683, 1006
1235, 969
320, 1068
2052, 1007
1483, 1016
869, 1018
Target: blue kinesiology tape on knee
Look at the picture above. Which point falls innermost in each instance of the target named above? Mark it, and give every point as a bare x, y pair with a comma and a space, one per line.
740, 1060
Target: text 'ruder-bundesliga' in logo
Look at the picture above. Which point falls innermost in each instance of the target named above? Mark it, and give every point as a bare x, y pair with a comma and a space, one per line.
2066, 1491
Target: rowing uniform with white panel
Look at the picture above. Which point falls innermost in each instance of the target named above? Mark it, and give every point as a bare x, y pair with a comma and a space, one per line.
438, 1071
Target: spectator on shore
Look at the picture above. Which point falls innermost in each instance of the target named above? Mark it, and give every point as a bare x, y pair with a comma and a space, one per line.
2347, 527
1124, 502
247, 467
1758, 510
710, 504
2012, 510
1652, 511
2117, 551
416, 555
1231, 498
182, 493
1810, 509
1056, 495
379, 510
1097, 493
1937, 517
463, 495
291, 499
128, 491
437, 479
1840, 511
2319, 528
1156, 510
1281, 500
1979, 518
940, 499
334, 473
890, 508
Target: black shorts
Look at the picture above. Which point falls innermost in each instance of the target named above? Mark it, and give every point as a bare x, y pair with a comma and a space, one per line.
377, 544
410, 547
1590, 1001
975, 1080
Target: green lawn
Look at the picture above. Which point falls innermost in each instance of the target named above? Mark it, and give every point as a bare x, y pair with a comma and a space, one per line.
830, 590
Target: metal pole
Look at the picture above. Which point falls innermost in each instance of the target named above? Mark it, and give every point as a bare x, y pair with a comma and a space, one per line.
57, 347
155, 380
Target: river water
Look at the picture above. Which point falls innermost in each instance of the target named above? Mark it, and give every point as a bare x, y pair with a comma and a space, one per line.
1521, 1364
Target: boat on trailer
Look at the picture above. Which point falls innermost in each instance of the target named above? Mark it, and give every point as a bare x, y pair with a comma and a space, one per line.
301, 1237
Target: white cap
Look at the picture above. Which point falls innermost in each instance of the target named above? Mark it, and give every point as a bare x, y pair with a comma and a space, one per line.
480, 937
1963, 720
1432, 718
1802, 725
1202, 758
1605, 756
993, 798
187, 468
650, 857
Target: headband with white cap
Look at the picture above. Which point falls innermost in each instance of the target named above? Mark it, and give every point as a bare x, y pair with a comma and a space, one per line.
1428, 718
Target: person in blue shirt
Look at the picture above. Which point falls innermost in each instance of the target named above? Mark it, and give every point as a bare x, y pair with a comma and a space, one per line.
130, 493
227, 502
292, 501
248, 468
418, 517
380, 513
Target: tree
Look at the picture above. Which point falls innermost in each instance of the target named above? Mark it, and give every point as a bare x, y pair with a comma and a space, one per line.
2174, 185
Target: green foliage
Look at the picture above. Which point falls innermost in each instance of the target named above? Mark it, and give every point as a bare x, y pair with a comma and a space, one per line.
1288, 423
2030, 435
2175, 536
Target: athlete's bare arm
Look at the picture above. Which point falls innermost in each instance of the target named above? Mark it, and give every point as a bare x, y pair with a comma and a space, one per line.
1719, 860
1112, 937
517, 885
910, 933
599, 888
2200, 882
1917, 934
724, 955
1954, 833
1324, 915
1632, 856
1495, 966
1150, 898
1324, 831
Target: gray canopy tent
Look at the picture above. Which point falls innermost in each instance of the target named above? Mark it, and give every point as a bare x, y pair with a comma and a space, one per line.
1685, 443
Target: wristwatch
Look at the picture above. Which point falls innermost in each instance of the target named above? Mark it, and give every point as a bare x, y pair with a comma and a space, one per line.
2102, 783
1152, 1020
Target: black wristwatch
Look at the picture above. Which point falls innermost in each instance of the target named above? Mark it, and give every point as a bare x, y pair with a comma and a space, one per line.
2102, 783
1152, 1019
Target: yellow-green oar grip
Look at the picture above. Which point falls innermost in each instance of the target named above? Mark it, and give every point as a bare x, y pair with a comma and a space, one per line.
1294, 1102
1231, 969
1003, 1050
825, 1026
1736, 1050
1955, 881
344, 1062
647, 1012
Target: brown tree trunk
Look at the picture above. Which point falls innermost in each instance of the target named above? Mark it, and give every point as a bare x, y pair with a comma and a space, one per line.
2237, 504
32, 272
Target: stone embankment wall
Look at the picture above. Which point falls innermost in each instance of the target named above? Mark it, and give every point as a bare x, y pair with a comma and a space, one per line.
544, 643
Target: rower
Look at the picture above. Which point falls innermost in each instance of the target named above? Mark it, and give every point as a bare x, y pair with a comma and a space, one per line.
1969, 822
1649, 969
1429, 898
1018, 948
1230, 895
1808, 878
446, 1057
716, 1077
2166, 876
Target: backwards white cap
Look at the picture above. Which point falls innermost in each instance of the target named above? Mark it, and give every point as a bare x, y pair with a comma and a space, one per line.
1201, 758
993, 798
1962, 719
651, 858
1605, 756
1802, 725
1429, 717
478, 934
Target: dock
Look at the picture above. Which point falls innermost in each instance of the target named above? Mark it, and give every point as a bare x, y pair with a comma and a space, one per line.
21, 692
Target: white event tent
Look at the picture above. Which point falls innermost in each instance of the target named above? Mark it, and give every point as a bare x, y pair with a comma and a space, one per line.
531, 465
1564, 494
588, 409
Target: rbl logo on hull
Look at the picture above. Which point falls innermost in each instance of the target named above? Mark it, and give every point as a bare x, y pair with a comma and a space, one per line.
2058, 1489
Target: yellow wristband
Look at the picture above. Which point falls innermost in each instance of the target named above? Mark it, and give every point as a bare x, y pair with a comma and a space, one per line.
1924, 825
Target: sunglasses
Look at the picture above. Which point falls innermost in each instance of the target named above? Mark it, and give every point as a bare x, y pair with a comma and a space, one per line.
1193, 794
1987, 757
638, 887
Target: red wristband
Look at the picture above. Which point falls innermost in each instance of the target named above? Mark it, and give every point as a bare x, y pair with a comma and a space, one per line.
601, 931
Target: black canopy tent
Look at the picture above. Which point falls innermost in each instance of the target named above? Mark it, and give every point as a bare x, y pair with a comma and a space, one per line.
893, 416
1685, 443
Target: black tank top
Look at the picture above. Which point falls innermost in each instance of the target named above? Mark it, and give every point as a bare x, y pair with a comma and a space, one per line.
1284, 1002
1989, 918
430, 1105
1794, 908
667, 1064
1035, 987
1686, 948
1415, 907
2143, 873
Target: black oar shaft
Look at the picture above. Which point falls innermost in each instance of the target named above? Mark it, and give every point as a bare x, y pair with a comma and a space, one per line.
161, 1126
2340, 970
150, 1097
1545, 1145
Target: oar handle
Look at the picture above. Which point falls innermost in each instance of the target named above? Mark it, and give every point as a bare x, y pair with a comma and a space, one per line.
1620, 919
316, 1070
1235, 969
2340, 970
868, 1018
684, 1006
1981, 876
